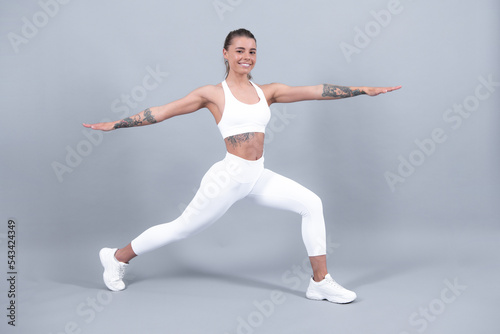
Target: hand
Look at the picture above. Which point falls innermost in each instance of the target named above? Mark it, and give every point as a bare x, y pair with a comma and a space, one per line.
374, 91
107, 126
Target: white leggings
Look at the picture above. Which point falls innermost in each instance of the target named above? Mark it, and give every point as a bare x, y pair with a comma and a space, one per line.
228, 181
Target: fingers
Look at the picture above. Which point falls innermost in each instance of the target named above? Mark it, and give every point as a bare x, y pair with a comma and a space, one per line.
384, 90
394, 88
91, 126
96, 126
390, 89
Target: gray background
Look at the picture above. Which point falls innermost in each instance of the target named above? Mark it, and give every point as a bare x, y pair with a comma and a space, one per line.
397, 248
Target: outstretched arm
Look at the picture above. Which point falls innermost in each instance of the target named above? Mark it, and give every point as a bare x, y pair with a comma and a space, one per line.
283, 94
338, 92
190, 103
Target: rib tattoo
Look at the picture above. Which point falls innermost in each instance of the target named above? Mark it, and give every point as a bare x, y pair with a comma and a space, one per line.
136, 120
340, 91
237, 140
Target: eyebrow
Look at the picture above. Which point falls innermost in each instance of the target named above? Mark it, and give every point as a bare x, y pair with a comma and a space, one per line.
240, 47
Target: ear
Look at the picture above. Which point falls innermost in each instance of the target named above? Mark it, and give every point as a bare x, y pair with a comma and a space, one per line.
224, 53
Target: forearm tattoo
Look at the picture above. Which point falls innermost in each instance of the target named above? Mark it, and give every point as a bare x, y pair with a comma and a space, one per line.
148, 117
237, 140
136, 120
340, 91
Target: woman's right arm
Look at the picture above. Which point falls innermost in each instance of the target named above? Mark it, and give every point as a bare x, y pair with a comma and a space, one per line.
192, 102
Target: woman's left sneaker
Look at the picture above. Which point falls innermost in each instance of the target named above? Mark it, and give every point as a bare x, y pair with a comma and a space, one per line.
330, 290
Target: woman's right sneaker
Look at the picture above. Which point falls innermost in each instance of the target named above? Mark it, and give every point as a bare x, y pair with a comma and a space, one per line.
113, 269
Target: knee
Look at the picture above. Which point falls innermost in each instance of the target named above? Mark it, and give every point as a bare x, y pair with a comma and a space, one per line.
313, 203
317, 202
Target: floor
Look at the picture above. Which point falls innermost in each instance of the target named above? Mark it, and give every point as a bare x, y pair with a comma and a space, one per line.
409, 282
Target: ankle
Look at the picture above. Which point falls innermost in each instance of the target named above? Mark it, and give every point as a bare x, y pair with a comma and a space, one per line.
319, 277
119, 257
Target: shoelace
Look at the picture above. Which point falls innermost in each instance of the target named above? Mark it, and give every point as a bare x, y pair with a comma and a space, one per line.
331, 281
121, 271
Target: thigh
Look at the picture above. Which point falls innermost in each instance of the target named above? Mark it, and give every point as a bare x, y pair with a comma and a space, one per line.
218, 191
280, 192
216, 194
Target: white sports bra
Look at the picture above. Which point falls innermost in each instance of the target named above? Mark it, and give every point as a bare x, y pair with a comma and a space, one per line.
239, 117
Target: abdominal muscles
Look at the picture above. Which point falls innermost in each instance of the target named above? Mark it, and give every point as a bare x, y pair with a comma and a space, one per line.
248, 145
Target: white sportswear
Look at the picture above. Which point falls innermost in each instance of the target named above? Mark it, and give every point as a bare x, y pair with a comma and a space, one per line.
228, 181
239, 117
234, 178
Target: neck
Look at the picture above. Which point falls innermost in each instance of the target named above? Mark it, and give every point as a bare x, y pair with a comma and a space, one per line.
237, 79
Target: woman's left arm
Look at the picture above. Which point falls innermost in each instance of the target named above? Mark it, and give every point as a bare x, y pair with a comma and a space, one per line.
280, 93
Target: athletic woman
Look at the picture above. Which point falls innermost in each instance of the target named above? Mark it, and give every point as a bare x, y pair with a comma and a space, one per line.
241, 111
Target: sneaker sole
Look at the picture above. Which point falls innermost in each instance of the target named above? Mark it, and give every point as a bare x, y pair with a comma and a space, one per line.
337, 300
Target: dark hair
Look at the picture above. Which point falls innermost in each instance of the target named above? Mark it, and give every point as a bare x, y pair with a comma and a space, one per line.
229, 40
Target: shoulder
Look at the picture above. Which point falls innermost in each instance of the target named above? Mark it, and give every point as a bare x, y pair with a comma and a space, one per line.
207, 92
281, 93
271, 90
272, 87
207, 89
269, 86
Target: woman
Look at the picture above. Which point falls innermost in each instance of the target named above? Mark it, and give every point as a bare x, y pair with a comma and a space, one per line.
241, 111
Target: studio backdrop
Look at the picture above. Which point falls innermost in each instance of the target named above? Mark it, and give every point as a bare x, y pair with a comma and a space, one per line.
398, 174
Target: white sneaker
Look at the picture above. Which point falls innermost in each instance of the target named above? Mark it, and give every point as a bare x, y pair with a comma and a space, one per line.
330, 290
113, 269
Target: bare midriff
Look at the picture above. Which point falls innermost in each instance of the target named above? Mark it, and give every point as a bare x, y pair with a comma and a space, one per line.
249, 146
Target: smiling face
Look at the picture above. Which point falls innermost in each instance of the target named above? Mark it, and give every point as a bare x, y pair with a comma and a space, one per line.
241, 55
